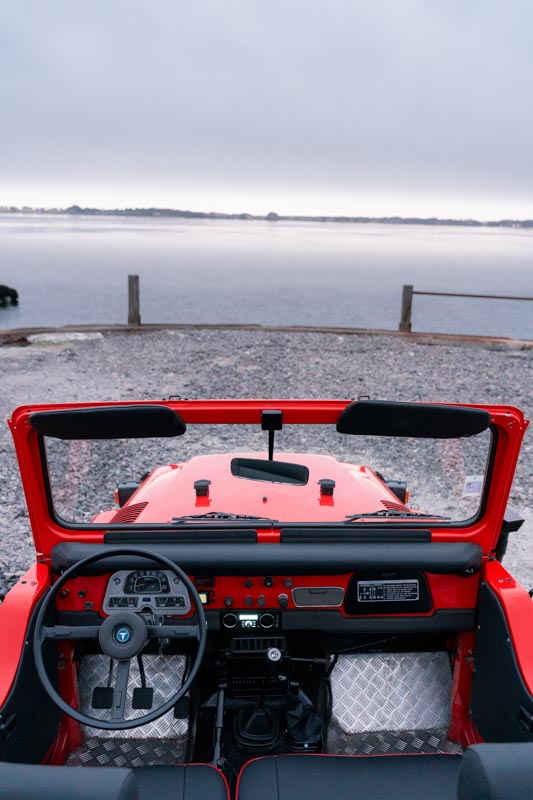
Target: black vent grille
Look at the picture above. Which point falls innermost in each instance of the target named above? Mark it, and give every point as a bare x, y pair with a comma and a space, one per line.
257, 644
392, 506
129, 513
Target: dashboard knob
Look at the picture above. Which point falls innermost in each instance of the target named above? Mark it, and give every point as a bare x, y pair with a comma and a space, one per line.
248, 583
261, 600
274, 654
283, 600
228, 601
248, 600
268, 581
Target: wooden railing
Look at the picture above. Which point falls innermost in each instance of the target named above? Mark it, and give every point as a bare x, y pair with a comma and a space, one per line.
409, 291
134, 303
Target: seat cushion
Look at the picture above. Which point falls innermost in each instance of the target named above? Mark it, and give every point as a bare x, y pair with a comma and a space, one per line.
497, 772
185, 782
188, 782
314, 777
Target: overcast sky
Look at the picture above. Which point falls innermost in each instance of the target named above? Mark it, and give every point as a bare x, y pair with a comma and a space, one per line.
300, 106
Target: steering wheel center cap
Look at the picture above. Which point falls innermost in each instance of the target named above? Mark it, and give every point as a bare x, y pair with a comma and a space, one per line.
123, 635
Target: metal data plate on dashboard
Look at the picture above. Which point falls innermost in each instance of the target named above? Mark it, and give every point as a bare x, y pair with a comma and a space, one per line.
388, 591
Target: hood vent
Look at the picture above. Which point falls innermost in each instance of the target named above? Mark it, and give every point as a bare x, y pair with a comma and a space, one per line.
129, 513
392, 506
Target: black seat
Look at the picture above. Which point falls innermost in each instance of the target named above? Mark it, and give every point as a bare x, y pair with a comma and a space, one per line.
312, 777
185, 782
485, 772
497, 772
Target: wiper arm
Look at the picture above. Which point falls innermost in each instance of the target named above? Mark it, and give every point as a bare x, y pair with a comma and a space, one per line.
218, 515
390, 512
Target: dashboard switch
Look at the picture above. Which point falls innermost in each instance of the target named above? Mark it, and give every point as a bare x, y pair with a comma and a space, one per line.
283, 600
248, 600
261, 600
268, 581
228, 601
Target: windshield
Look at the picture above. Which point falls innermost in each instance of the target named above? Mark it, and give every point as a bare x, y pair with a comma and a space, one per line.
339, 479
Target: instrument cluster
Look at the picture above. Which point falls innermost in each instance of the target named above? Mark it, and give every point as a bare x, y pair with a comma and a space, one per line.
146, 590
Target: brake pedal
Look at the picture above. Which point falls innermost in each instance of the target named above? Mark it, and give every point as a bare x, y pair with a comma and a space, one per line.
103, 697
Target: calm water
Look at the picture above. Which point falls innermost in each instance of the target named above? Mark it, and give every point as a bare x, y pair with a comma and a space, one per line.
73, 270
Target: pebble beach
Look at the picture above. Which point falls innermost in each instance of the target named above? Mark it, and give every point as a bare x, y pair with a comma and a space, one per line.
204, 363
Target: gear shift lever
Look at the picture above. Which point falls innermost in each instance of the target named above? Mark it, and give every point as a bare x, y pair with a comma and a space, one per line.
257, 726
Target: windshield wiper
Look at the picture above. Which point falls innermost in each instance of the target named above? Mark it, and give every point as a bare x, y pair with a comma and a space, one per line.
390, 512
218, 515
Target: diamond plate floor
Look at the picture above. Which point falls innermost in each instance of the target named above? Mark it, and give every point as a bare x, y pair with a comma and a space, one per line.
391, 703
392, 692
163, 673
128, 753
389, 742
162, 742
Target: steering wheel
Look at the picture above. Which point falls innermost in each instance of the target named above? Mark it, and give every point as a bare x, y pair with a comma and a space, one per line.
121, 636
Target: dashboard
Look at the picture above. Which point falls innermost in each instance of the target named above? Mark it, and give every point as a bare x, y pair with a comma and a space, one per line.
345, 588
368, 592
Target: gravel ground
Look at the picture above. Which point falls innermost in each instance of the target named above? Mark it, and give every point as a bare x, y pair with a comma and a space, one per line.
232, 363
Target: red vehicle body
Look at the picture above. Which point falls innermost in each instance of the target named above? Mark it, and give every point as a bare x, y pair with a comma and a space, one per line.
345, 572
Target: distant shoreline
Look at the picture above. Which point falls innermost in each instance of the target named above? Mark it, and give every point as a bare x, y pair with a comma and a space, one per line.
270, 217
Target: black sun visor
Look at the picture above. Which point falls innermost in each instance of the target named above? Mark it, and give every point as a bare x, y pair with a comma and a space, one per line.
109, 422
417, 420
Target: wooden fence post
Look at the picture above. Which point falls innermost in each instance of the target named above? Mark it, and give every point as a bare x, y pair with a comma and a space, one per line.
134, 307
407, 304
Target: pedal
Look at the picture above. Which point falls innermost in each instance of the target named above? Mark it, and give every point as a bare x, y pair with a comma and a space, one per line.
181, 709
103, 697
142, 698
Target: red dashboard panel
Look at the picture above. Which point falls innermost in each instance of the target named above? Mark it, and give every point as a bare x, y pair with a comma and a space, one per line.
276, 592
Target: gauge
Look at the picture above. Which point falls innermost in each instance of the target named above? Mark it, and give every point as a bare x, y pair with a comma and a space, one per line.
148, 585
146, 581
123, 602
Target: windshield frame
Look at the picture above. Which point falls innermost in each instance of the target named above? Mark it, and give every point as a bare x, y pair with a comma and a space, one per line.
380, 521
507, 423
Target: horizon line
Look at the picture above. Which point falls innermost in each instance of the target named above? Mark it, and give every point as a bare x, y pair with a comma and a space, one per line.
272, 216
